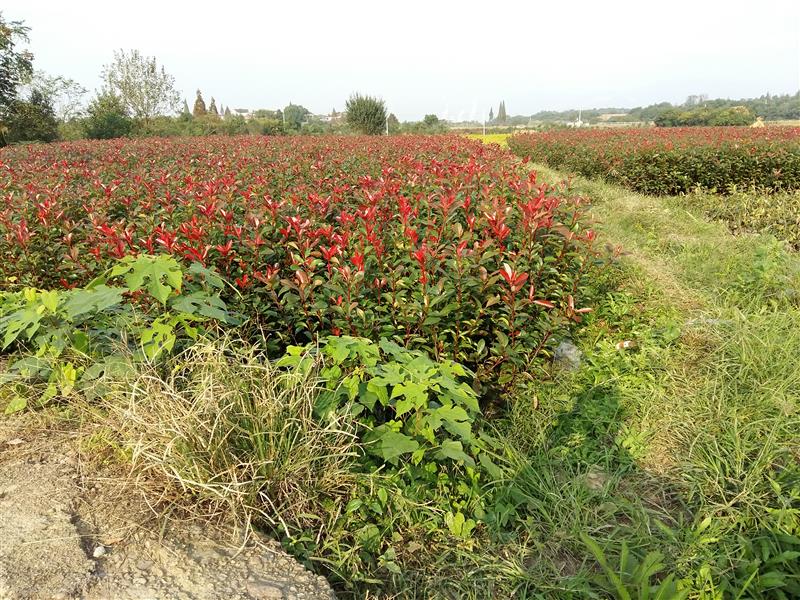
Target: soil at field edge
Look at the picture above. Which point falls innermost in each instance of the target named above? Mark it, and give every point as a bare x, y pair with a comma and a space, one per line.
69, 532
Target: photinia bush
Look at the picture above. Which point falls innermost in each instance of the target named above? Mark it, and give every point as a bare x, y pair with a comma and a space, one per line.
672, 160
440, 244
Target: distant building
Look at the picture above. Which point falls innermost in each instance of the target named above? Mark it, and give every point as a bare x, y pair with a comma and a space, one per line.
577, 122
243, 112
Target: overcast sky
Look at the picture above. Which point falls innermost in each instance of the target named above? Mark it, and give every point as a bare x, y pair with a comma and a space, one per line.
455, 59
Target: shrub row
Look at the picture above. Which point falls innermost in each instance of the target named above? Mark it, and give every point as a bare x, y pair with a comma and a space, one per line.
438, 243
675, 160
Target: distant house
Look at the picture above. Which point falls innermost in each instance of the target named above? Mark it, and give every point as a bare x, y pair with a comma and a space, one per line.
243, 112
577, 122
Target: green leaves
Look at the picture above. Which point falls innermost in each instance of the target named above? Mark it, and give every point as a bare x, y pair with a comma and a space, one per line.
91, 300
101, 322
160, 275
389, 444
410, 405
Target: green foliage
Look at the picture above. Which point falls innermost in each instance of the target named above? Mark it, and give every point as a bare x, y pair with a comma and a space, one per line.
633, 578
393, 123
144, 89
54, 331
703, 116
31, 120
366, 114
753, 212
15, 65
107, 118
417, 422
294, 116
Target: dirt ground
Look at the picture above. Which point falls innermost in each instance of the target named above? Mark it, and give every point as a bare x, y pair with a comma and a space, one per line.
72, 530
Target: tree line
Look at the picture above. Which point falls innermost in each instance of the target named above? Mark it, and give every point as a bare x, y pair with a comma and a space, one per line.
139, 98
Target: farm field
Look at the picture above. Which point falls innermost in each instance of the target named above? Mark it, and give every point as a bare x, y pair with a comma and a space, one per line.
665, 161
425, 366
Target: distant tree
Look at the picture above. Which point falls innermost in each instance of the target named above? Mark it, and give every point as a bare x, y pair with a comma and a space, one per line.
199, 106
394, 124
491, 114
295, 115
16, 66
501, 113
107, 117
145, 89
227, 111
63, 94
366, 114
212, 108
430, 120
185, 112
32, 120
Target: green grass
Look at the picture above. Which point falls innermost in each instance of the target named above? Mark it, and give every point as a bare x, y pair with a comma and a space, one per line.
691, 440
673, 463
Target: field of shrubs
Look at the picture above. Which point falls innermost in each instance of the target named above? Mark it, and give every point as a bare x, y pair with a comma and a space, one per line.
415, 362
364, 301
668, 161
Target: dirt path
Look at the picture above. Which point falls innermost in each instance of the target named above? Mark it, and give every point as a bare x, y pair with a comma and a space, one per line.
68, 534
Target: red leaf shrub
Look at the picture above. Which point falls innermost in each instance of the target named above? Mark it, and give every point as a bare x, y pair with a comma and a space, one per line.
672, 160
439, 243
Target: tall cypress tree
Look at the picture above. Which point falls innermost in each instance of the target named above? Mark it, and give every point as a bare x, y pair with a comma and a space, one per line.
199, 106
501, 112
212, 108
491, 114
185, 112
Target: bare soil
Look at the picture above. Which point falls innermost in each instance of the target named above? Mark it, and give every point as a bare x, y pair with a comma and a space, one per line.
72, 529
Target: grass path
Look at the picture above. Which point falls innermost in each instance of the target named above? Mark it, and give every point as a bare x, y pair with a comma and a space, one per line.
687, 445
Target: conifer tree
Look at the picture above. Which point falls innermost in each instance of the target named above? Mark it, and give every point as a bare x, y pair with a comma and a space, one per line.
199, 106
212, 108
227, 111
501, 112
185, 111
491, 114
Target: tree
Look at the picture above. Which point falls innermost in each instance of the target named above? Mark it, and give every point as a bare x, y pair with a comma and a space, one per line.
491, 114
294, 115
15, 66
107, 117
199, 106
63, 94
32, 120
366, 114
430, 121
212, 108
501, 112
394, 124
227, 111
185, 112
145, 89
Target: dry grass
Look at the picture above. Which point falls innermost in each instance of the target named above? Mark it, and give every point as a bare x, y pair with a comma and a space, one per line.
234, 439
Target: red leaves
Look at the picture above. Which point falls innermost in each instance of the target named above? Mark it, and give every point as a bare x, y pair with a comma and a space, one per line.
431, 239
514, 279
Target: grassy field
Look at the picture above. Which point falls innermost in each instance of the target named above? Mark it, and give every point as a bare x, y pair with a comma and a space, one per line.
686, 443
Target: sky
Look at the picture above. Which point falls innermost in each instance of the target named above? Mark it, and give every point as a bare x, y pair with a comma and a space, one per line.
453, 59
